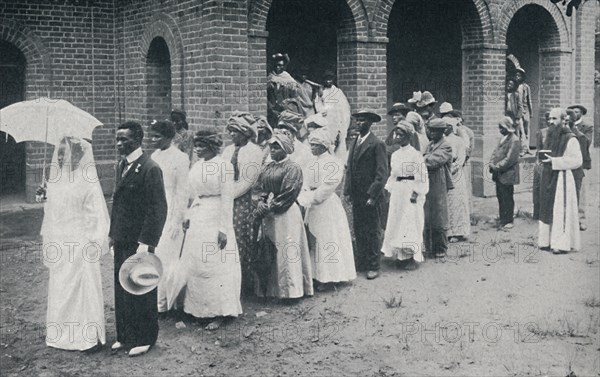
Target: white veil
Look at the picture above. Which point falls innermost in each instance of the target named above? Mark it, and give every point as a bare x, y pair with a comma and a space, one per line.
75, 200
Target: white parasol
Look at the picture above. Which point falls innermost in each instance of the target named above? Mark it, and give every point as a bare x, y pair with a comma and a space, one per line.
46, 120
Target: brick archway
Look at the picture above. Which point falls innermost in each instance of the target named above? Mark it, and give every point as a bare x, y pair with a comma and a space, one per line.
475, 29
510, 8
259, 10
165, 26
39, 70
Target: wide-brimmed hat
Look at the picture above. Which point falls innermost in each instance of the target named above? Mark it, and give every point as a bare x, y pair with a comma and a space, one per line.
520, 69
140, 273
507, 124
368, 114
279, 56
437, 124
580, 107
426, 99
399, 107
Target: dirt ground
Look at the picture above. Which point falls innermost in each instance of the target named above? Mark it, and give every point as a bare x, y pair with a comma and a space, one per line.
497, 306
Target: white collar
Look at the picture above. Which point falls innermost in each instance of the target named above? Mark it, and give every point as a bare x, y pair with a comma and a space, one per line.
579, 121
363, 138
131, 157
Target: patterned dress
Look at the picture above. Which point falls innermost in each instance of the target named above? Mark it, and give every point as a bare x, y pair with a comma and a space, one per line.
459, 217
247, 165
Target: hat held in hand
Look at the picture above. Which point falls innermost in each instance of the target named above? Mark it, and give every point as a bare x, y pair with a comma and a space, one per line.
140, 273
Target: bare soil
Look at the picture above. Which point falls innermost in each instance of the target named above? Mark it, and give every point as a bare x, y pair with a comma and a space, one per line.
496, 306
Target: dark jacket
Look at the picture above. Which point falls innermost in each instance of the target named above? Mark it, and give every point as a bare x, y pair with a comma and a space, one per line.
367, 170
505, 160
139, 206
587, 131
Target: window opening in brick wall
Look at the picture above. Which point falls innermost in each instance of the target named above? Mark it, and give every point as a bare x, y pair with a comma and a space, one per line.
158, 83
12, 89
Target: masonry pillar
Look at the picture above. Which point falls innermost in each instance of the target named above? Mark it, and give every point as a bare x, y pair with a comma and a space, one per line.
483, 106
257, 68
362, 75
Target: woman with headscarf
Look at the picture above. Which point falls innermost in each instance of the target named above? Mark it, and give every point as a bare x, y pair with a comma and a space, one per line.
418, 124
246, 158
459, 215
75, 236
285, 253
210, 253
280, 86
329, 237
294, 123
264, 133
407, 184
184, 138
175, 166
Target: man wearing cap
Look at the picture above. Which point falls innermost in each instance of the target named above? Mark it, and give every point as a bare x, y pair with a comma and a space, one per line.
333, 104
438, 157
588, 130
366, 174
138, 216
504, 167
524, 97
559, 225
424, 103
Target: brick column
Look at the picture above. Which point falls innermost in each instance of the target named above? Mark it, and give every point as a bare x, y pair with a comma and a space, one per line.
362, 75
555, 80
483, 105
585, 55
257, 71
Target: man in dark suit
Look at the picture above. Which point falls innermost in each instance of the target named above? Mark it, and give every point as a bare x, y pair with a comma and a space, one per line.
366, 174
504, 166
138, 215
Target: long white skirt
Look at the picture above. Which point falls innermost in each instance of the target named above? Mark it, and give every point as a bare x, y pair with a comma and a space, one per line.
331, 253
404, 230
459, 216
563, 234
75, 318
214, 278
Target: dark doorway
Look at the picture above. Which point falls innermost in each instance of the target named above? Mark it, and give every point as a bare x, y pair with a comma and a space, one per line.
307, 30
531, 29
12, 89
424, 50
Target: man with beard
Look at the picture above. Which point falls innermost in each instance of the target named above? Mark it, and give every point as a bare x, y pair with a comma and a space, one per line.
559, 225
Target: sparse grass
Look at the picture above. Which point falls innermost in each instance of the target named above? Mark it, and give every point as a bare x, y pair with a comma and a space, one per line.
568, 326
592, 302
524, 214
392, 302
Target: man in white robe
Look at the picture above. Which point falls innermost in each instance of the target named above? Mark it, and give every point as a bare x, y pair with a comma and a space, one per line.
559, 222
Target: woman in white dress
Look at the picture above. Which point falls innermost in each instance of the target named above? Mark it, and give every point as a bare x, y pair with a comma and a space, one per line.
175, 167
329, 237
75, 236
210, 253
408, 184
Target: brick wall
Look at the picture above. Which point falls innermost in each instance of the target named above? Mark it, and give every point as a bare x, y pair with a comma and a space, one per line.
70, 55
217, 53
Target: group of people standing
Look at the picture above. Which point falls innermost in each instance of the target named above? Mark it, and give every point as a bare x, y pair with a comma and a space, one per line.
262, 216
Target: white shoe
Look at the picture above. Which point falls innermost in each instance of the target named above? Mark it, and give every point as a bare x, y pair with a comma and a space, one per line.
508, 226
117, 346
137, 351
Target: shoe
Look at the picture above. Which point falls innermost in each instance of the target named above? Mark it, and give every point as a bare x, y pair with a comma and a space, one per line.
411, 265
508, 226
554, 251
440, 255
453, 240
545, 248
582, 226
372, 275
94, 349
117, 346
139, 350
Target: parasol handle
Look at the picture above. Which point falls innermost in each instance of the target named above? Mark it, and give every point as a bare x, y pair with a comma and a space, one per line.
182, 242
45, 151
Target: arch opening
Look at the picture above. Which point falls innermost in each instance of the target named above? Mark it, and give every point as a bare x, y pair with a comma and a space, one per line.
158, 81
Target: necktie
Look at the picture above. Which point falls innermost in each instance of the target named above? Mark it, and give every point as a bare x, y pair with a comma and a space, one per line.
234, 162
126, 166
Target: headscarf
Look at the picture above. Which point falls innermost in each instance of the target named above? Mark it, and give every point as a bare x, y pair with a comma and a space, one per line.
244, 122
416, 121
321, 136
405, 126
316, 120
284, 139
290, 120
210, 136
